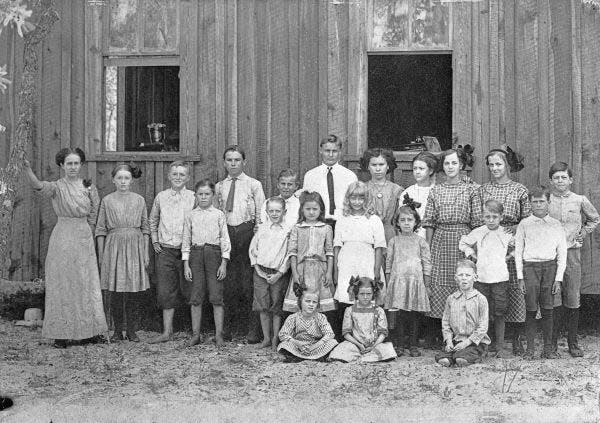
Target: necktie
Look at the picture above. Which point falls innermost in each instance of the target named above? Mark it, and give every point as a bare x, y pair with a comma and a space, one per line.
229, 203
330, 191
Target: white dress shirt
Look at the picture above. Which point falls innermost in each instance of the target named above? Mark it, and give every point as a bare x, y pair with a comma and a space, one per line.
316, 180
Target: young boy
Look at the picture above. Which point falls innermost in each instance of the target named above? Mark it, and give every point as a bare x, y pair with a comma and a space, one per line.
541, 258
287, 184
240, 197
166, 231
465, 321
488, 246
268, 256
579, 218
330, 179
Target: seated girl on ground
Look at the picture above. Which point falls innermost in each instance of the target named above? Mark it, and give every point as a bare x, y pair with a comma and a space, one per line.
364, 327
306, 335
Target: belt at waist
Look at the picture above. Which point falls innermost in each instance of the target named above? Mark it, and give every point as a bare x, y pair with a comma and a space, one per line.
266, 270
72, 219
200, 247
123, 230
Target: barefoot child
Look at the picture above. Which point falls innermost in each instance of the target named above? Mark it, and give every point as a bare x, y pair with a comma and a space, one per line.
579, 219
364, 327
205, 252
488, 246
268, 256
310, 250
287, 184
408, 272
166, 230
306, 334
122, 233
465, 321
541, 258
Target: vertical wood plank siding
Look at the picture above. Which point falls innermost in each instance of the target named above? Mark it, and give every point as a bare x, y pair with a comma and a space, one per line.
276, 75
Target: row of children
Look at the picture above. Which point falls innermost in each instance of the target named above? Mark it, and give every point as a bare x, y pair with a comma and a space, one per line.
210, 230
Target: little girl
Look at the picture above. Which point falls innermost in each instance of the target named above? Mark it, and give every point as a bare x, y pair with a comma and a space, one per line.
424, 167
205, 250
122, 233
364, 327
384, 193
407, 270
306, 335
310, 250
268, 256
359, 241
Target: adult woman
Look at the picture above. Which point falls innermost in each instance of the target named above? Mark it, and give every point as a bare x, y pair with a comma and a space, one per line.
73, 307
384, 193
424, 166
452, 209
513, 197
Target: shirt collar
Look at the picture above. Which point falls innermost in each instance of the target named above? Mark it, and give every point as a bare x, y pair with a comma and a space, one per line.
325, 167
469, 295
174, 193
568, 194
319, 223
209, 209
240, 177
543, 219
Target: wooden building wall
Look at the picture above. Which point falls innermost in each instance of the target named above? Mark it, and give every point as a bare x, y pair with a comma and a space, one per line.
275, 76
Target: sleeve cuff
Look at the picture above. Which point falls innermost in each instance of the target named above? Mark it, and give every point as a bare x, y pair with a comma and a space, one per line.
185, 256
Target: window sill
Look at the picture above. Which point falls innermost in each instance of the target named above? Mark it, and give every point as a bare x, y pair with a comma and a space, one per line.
123, 156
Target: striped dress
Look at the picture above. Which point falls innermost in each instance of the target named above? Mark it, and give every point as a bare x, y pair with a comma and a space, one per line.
452, 210
515, 201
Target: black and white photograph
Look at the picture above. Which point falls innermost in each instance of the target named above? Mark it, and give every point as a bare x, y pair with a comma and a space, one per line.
300, 210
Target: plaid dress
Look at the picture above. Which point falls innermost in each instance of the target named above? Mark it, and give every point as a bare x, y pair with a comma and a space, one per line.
299, 331
451, 211
513, 197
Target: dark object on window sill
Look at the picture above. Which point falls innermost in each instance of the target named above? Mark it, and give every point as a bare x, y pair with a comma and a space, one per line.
413, 146
149, 147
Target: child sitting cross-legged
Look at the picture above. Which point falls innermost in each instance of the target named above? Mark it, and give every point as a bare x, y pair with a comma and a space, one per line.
306, 335
465, 321
364, 327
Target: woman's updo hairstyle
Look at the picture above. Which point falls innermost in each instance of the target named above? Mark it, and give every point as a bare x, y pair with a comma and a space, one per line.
511, 158
130, 167
62, 154
429, 159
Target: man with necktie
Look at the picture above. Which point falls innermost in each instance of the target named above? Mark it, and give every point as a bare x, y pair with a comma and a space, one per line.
330, 178
240, 197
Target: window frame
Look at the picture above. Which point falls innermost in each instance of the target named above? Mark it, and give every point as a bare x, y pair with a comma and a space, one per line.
399, 50
97, 57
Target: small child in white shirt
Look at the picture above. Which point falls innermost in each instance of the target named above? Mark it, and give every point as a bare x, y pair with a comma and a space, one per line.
489, 245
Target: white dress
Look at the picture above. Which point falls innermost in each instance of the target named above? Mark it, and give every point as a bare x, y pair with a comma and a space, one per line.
358, 236
420, 195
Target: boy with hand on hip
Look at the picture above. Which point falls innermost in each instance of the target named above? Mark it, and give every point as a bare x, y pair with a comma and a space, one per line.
240, 197
579, 218
465, 321
541, 258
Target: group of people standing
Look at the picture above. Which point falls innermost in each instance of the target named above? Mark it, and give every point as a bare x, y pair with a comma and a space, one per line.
337, 246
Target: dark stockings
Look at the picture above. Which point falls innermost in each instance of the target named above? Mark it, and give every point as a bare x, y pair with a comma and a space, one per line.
407, 324
122, 306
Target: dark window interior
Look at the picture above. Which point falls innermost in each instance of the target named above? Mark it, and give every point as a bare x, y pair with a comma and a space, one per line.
151, 96
410, 96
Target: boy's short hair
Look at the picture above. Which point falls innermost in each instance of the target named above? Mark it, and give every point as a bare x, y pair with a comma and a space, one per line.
494, 206
560, 167
204, 183
288, 173
331, 138
275, 199
465, 263
539, 191
235, 148
179, 163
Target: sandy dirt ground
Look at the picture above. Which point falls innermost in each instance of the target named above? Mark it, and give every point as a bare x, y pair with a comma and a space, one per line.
128, 382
